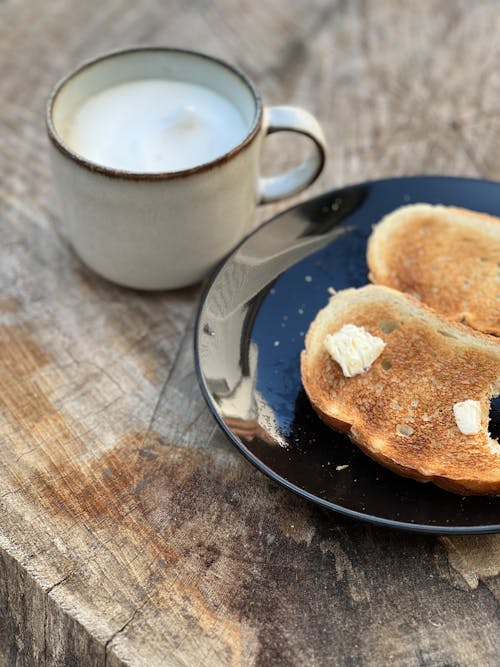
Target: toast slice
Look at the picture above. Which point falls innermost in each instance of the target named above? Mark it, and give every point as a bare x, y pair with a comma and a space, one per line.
448, 257
401, 410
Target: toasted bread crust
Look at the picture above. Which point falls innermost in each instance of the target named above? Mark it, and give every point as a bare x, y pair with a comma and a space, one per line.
448, 257
428, 364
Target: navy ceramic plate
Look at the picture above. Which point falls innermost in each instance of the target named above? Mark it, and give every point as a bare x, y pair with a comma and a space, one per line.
250, 332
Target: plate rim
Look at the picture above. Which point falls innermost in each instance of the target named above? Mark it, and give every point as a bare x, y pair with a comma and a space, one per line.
365, 517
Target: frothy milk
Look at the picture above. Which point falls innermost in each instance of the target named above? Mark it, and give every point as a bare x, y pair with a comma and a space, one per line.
154, 125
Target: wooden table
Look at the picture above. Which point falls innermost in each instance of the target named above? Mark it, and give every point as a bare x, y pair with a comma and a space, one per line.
131, 532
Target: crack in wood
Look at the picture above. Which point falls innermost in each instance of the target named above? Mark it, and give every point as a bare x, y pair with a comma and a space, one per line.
122, 629
187, 332
49, 590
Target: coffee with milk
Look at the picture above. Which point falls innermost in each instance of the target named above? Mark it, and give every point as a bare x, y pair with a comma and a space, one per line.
154, 125
156, 156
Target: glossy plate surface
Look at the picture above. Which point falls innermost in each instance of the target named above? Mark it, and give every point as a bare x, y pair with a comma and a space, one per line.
250, 332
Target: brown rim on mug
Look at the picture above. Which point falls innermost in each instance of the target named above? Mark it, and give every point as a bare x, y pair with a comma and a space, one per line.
151, 176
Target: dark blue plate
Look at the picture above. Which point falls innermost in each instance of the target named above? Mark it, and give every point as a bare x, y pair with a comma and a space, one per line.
250, 332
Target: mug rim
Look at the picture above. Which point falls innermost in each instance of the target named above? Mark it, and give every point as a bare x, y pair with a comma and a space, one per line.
112, 172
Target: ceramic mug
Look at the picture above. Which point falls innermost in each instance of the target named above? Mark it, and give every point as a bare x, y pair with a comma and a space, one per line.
167, 230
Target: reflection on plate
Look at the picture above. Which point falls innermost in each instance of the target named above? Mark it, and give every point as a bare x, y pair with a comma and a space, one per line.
250, 332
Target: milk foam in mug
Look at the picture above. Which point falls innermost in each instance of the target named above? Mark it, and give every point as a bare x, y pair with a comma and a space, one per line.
154, 125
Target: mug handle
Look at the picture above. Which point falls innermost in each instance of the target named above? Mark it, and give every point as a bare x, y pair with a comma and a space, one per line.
293, 119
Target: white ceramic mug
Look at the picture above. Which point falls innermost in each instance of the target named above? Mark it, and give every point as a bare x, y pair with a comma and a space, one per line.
167, 230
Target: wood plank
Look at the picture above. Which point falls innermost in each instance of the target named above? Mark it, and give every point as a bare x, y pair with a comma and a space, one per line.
131, 532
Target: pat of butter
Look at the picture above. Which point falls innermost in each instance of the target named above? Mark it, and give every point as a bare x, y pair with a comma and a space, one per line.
354, 349
468, 416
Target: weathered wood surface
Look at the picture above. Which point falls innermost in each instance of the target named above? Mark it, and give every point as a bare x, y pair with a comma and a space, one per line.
131, 532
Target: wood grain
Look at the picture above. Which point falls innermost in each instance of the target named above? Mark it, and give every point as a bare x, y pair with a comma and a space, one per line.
131, 533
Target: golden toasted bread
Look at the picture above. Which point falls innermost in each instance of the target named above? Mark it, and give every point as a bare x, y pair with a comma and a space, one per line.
446, 256
401, 410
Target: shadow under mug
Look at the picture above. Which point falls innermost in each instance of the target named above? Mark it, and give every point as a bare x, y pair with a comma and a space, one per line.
168, 230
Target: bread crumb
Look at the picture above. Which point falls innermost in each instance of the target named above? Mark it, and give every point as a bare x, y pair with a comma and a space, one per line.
341, 467
332, 291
